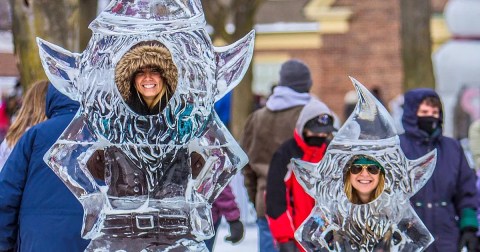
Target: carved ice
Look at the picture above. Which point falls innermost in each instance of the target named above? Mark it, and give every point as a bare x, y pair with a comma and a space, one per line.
147, 198
387, 223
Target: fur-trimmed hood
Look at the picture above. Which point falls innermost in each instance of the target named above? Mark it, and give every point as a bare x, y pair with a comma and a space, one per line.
145, 54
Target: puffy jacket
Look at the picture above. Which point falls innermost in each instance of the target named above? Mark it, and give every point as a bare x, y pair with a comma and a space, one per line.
225, 205
37, 211
288, 205
446, 202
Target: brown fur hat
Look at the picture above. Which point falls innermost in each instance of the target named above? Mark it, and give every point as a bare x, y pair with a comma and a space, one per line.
145, 54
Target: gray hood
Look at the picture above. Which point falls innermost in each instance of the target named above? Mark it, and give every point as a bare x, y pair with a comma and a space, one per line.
285, 98
312, 109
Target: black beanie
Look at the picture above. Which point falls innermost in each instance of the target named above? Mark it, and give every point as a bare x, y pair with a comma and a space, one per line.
295, 75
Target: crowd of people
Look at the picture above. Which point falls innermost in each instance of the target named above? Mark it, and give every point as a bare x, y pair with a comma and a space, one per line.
447, 204
293, 124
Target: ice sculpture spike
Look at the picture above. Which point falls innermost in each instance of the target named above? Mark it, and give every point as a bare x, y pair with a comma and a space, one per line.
387, 223
61, 67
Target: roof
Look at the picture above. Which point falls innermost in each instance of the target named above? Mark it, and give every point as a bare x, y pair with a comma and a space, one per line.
286, 11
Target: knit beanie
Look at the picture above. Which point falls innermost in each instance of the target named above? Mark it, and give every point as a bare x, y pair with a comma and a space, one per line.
295, 75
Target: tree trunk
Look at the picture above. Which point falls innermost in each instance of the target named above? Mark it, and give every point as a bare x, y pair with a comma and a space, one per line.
242, 103
88, 12
57, 21
26, 52
242, 14
416, 44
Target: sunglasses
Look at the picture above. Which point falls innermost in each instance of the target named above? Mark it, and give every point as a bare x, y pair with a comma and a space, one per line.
372, 169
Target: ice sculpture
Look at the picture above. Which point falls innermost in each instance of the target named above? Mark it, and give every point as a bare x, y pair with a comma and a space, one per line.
388, 223
146, 196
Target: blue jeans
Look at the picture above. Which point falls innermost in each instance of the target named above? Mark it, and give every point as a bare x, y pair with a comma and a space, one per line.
265, 239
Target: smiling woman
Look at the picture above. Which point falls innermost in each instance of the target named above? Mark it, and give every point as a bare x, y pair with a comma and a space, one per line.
364, 180
149, 84
146, 77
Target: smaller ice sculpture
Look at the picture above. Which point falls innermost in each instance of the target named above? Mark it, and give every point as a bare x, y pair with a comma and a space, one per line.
160, 167
385, 222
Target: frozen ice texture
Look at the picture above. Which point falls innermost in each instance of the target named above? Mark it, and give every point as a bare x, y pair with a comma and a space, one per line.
146, 196
388, 223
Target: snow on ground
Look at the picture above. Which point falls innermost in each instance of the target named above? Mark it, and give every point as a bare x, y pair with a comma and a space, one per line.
248, 244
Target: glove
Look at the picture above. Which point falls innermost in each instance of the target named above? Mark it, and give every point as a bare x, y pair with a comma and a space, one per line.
287, 246
236, 231
469, 240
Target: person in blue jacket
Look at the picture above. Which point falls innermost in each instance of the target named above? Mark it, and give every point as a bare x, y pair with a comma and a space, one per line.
447, 203
37, 211
223, 108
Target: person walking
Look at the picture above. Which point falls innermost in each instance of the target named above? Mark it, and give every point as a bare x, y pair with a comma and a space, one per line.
447, 203
31, 112
265, 130
226, 206
38, 212
287, 203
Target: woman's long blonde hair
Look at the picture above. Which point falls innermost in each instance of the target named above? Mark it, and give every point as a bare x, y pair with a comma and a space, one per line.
30, 113
352, 194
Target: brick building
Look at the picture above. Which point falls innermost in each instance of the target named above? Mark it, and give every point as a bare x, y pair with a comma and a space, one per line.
352, 38
336, 38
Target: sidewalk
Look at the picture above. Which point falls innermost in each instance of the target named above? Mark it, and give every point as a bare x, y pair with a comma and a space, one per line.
248, 244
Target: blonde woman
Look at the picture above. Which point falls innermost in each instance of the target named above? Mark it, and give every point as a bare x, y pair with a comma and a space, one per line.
364, 180
30, 113
146, 77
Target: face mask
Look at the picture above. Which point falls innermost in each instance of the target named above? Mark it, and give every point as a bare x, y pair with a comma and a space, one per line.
428, 124
315, 141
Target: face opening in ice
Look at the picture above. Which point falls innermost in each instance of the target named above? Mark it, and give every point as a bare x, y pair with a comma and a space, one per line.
146, 77
364, 179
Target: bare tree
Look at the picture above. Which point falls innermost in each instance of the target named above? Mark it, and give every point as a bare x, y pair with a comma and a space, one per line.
87, 13
241, 15
57, 21
416, 44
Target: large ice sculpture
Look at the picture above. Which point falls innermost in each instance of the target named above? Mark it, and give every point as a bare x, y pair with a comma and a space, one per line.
147, 197
388, 223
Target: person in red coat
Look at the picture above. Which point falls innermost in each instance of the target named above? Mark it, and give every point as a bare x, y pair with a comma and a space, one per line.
287, 204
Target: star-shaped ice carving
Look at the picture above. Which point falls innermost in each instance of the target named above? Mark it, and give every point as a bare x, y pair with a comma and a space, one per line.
387, 223
150, 143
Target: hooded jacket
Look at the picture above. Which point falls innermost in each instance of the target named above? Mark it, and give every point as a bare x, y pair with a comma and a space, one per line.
38, 212
288, 205
145, 54
265, 130
450, 192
